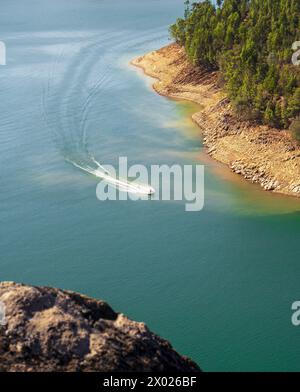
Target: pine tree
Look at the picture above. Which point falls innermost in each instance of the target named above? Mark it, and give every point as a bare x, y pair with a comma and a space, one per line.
250, 42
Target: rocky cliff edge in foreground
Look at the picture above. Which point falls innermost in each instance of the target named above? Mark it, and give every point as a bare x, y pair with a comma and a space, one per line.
55, 330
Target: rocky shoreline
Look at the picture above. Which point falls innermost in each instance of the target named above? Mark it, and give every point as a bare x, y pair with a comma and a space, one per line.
45, 329
260, 154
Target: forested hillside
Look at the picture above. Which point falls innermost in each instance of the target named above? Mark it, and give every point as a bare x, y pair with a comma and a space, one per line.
250, 41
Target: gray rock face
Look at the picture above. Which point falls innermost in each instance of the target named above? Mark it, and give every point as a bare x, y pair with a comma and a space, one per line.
54, 330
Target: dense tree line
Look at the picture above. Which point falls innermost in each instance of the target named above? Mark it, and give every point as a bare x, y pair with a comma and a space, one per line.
250, 41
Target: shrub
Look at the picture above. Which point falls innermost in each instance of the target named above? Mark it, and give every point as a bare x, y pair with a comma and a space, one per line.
295, 129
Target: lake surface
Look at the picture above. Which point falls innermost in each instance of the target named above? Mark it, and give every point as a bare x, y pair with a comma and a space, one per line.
219, 283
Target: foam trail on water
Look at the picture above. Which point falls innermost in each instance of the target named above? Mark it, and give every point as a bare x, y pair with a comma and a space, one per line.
66, 112
119, 183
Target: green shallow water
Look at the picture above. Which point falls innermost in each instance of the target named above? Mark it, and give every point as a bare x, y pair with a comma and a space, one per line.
218, 284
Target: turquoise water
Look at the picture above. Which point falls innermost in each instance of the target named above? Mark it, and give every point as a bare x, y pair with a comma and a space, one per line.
218, 284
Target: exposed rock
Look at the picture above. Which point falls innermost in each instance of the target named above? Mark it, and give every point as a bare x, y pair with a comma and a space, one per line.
55, 330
